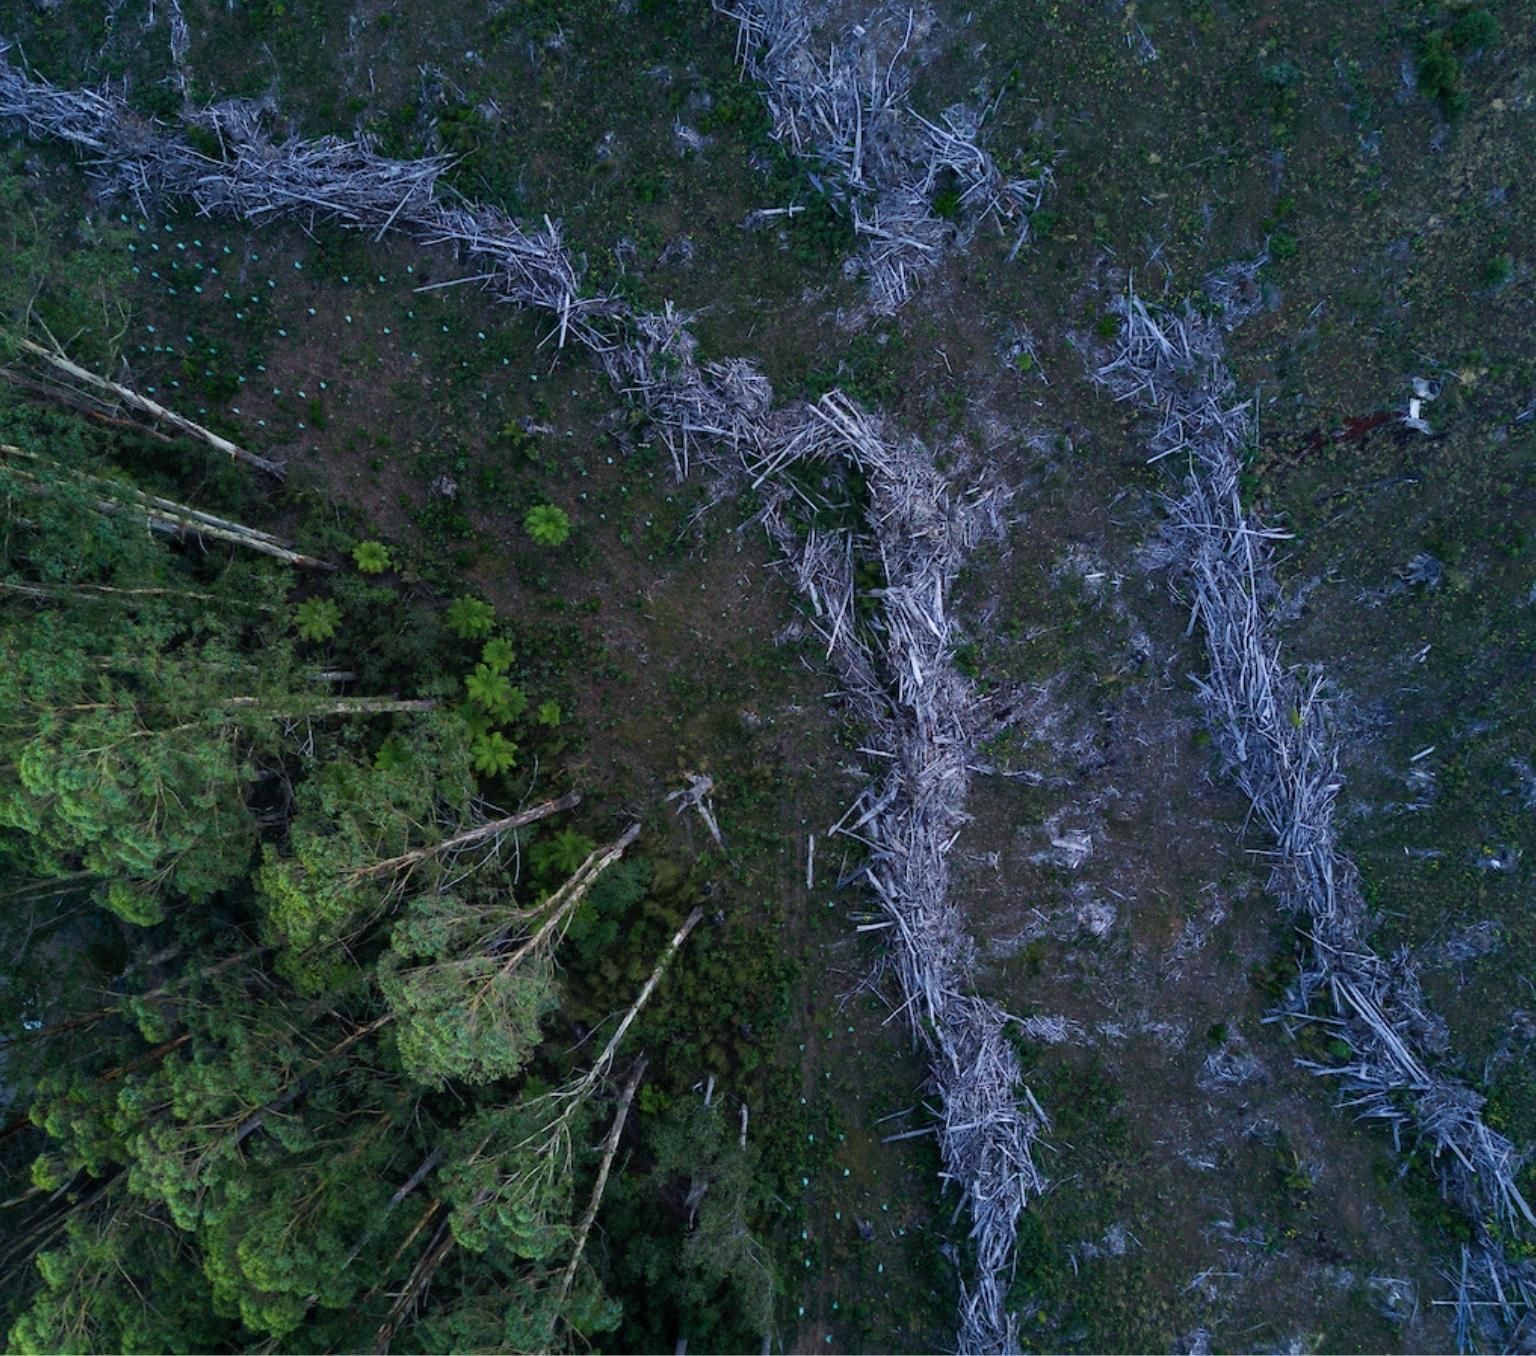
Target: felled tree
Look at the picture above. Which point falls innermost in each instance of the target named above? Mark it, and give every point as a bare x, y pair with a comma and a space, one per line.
470, 985
280, 1233
231, 1142
131, 695
463, 1016
510, 1190
354, 812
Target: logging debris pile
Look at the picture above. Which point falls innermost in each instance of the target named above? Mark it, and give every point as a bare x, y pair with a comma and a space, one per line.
899, 673
242, 172
1271, 723
910, 185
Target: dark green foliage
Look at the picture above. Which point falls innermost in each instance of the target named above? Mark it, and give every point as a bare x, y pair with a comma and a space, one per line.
1498, 270
470, 617
556, 856
712, 1195
1443, 50
1439, 71
595, 930
869, 370
1473, 30
62, 277
294, 1013
464, 132
946, 204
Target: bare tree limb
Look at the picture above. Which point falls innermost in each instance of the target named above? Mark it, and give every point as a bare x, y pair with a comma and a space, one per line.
475, 835
610, 1148
147, 406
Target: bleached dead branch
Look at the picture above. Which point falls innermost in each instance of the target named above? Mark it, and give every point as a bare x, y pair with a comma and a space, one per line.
181, 42
1272, 726
846, 111
695, 796
125, 396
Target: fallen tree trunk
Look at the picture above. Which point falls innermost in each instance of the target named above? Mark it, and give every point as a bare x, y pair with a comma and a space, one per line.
478, 834
610, 1148
901, 679
165, 515
147, 406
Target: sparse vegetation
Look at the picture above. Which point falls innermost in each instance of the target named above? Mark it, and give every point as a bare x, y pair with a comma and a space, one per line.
1443, 51
547, 525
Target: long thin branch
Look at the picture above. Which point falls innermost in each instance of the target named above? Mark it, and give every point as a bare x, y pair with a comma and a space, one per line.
443, 1243
152, 408
338, 706
34, 590
600, 1065
610, 1148
564, 901
475, 835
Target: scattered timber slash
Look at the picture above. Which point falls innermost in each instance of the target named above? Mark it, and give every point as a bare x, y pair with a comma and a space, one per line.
889, 165
253, 178
1272, 725
720, 417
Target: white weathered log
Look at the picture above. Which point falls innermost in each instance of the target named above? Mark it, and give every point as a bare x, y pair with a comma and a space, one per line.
145, 405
